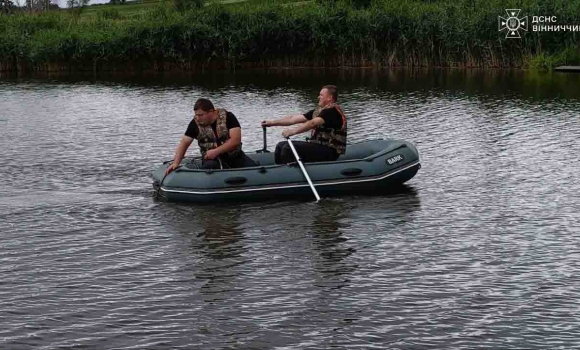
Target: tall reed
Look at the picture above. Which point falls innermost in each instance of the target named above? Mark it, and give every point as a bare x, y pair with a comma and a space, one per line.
462, 33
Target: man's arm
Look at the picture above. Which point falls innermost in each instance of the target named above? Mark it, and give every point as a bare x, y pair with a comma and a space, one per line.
286, 121
310, 124
179, 153
228, 146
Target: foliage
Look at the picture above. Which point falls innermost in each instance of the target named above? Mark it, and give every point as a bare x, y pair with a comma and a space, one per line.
109, 14
183, 5
544, 61
6, 7
266, 33
76, 3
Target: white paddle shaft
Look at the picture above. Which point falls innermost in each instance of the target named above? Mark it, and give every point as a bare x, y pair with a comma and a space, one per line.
303, 170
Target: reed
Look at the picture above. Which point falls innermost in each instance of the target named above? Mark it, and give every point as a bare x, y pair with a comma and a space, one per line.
458, 33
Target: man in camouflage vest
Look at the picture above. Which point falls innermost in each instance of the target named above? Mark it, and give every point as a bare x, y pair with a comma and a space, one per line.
218, 135
328, 131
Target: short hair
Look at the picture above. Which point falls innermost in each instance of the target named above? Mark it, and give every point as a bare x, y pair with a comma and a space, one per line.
204, 104
332, 90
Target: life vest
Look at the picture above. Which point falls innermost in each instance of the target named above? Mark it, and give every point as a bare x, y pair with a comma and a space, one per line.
207, 139
329, 137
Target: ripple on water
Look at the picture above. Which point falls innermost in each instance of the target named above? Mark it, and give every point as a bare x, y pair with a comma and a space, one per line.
477, 252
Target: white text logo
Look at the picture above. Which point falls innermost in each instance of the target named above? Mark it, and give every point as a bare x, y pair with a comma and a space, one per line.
512, 23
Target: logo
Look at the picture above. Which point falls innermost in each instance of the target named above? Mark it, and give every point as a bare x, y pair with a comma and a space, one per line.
512, 23
395, 159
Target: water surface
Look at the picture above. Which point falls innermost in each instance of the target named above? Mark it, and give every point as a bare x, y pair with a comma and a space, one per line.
479, 251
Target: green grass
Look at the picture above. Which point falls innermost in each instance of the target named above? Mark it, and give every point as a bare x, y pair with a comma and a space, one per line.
125, 9
153, 35
135, 7
544, 61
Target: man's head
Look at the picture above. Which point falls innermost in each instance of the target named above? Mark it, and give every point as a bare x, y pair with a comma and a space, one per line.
328, 94
204, 111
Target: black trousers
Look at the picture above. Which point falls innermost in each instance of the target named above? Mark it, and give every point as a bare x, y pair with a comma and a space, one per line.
225, 162
307, 151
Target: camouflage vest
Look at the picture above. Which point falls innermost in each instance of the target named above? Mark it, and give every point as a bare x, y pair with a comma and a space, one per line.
207, 139
327, 136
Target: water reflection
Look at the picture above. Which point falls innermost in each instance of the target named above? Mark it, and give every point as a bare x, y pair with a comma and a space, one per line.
212, 242
335, 232
221, 237
331, 248
217, 236
306, 82
399, 206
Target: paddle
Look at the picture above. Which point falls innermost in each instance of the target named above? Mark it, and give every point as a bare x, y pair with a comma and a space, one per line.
303, 170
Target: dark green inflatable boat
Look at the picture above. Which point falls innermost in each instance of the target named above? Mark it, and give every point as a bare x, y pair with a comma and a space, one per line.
370, 166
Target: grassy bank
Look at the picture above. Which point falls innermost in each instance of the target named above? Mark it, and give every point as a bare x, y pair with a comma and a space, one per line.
455, 33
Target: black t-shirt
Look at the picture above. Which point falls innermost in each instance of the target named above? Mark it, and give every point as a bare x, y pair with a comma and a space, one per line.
231, 122
332, 118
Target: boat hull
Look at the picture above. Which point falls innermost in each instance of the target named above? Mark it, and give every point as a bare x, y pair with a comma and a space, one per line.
387, 164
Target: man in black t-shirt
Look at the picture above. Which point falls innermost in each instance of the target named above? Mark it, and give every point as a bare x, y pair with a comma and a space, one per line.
328, 136
218, 135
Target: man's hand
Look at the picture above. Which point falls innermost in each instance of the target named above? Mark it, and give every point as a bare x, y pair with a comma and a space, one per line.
171, 167
211, 154
267, 123
287, 133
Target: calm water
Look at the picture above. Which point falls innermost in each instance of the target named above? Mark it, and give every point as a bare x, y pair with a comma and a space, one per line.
480, 251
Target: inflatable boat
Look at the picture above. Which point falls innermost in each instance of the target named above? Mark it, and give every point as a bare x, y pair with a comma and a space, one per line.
366, 167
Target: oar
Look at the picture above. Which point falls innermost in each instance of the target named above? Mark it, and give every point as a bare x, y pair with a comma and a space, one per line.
303, 170
265, 149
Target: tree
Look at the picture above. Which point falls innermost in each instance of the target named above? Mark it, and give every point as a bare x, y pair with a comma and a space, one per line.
39, 5
77, 5
6, 7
